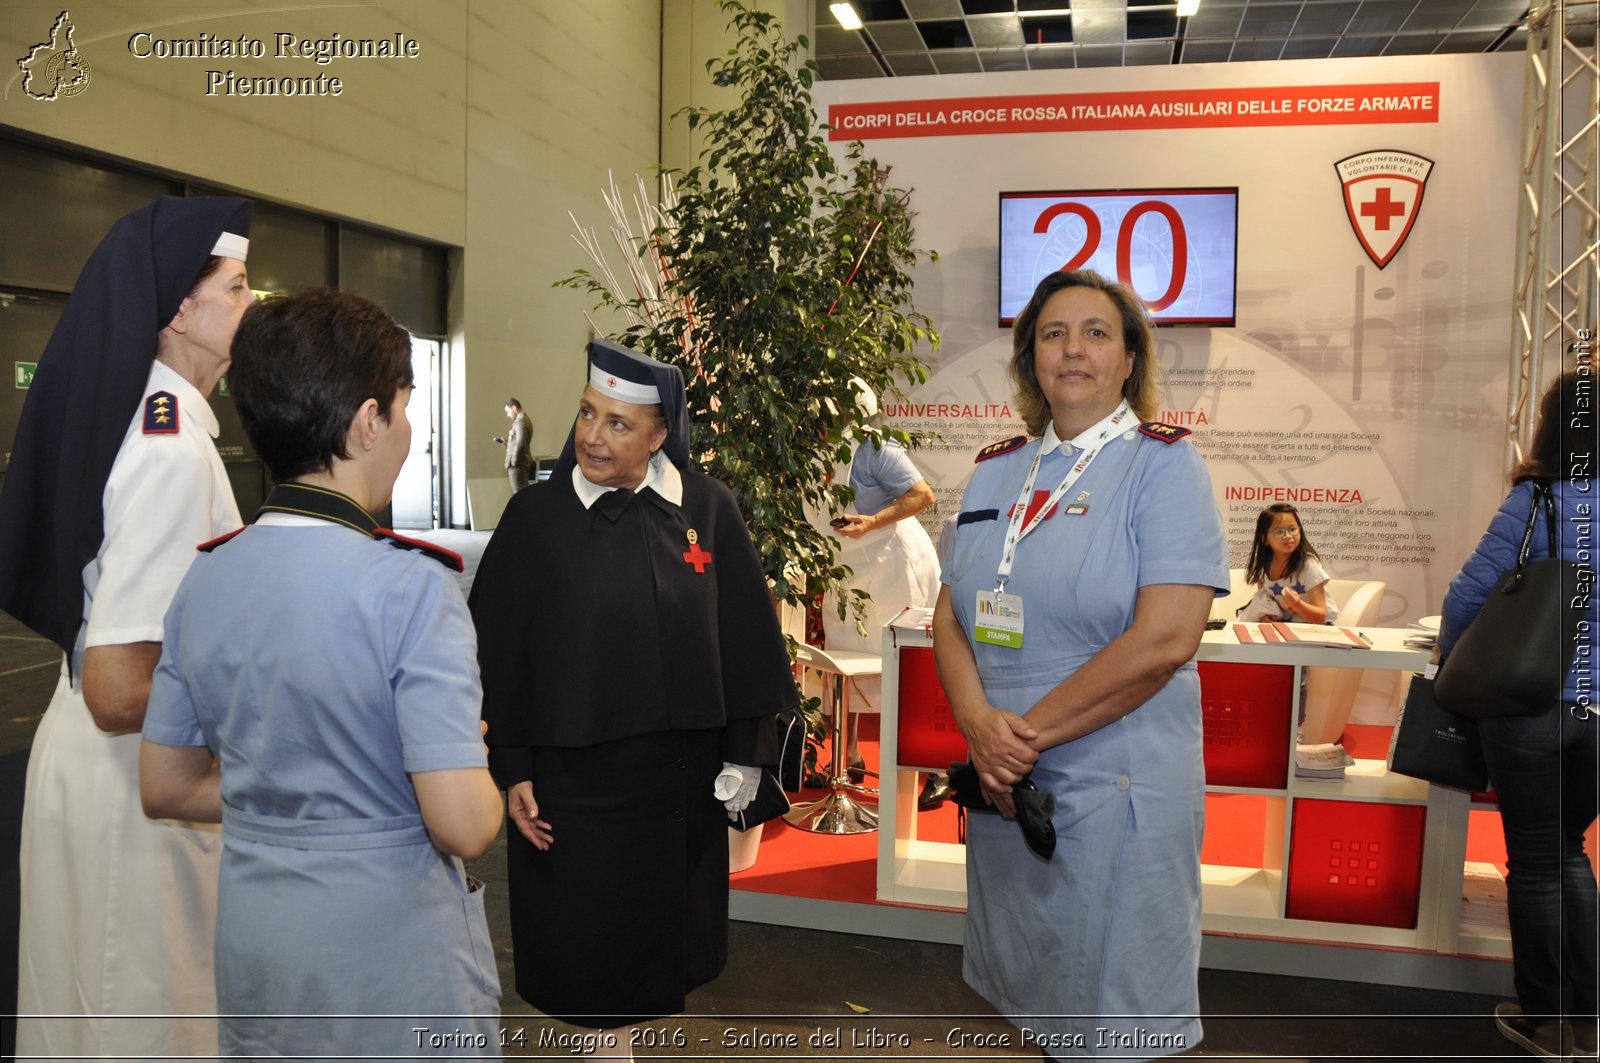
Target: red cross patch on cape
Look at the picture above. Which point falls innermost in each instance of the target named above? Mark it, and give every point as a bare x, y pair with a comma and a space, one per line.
160, 414
1167, 433
694, 555
994, 450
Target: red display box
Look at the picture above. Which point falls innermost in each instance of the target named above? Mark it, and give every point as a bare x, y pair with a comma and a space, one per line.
927, 736
1355, 862
1246, 723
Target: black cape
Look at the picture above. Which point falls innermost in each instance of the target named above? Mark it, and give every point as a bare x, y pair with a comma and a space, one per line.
90, 379
592, 626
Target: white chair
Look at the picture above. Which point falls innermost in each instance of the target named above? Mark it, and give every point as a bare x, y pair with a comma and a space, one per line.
1331, 692
849, 807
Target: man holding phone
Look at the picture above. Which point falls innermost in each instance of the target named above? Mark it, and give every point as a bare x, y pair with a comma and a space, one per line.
519, 454
892, 559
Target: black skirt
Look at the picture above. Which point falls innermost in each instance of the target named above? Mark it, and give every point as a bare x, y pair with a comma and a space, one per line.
628, 909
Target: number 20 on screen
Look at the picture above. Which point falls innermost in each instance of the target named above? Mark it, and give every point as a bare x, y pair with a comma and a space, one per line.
1091, 242
1179, 243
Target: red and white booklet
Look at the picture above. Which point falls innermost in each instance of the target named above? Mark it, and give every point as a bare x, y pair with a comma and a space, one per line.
1304, 634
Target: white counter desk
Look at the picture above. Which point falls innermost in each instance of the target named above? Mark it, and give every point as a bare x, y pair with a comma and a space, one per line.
1255, 901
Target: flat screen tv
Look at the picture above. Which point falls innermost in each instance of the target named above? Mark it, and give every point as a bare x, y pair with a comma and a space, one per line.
1176, 247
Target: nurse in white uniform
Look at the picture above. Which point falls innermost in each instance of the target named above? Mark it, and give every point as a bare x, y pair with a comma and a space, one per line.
889, 555
114, 480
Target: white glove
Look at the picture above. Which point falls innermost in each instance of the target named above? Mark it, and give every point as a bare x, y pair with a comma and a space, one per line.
735, 786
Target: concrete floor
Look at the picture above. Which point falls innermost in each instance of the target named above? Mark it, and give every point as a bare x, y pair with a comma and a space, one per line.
806, 994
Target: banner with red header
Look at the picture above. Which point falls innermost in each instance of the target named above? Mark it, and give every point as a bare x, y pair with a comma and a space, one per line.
1368, 274
1081, 112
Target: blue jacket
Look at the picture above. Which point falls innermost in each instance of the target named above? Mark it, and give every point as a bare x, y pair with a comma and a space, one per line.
1497, 551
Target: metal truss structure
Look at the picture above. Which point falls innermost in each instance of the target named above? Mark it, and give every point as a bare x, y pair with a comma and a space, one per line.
1557, 276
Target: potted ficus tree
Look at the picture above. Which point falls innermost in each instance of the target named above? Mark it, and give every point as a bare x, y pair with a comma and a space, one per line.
779, 281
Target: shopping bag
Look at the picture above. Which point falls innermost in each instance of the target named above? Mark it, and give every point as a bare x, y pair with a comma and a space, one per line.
1436, 745
1513, 659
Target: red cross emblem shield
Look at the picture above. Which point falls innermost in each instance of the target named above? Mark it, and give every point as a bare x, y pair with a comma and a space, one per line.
1382, 196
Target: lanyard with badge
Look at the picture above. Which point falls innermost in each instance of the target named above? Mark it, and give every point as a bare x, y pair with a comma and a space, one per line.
999, 615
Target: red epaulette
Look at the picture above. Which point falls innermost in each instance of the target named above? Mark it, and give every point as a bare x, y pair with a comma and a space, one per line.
994, 450
1167, 433
448, 558
160, 413
207, 547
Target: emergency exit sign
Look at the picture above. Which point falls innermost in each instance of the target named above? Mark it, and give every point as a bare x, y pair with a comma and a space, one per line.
24, 375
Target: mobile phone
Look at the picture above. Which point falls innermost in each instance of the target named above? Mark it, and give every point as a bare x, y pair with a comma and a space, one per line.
839, 522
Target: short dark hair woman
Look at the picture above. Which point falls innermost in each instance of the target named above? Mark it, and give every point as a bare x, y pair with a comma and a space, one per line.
329, 665
1543, 767
1083, 566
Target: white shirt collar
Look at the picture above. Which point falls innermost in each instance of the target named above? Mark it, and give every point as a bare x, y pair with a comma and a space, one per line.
295, 520
1087, 438
663, 476
190, 402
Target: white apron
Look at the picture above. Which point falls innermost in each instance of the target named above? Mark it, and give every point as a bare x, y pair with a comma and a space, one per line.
898, 567
117, 909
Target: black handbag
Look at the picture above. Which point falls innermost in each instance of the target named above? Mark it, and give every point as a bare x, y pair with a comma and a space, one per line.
1513, 658
770, 802
1434, 744
792, 751
1034, 806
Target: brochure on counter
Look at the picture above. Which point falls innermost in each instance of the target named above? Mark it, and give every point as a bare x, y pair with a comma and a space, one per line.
1268, 632
913, 618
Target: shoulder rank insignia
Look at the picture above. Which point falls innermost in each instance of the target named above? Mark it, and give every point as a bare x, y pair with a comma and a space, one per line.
160, 413
448, 558
212, 544
1167, 433
994, 450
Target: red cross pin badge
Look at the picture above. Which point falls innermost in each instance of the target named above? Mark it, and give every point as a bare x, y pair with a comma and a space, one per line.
694, 555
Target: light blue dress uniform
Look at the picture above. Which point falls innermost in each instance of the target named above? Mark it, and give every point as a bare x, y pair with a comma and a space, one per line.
322, 666
880, 475
1095, 953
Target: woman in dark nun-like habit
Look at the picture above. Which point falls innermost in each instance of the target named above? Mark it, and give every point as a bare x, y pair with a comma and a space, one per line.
630, 652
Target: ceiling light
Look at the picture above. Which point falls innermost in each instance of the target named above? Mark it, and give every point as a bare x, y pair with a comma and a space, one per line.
1188, 7
847, 17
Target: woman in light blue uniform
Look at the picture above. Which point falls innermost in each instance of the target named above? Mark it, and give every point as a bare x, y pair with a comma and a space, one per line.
335, 678
1086, 686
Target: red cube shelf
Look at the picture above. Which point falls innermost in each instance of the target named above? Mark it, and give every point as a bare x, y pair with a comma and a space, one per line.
1355, 862
927, 736
1246, 723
